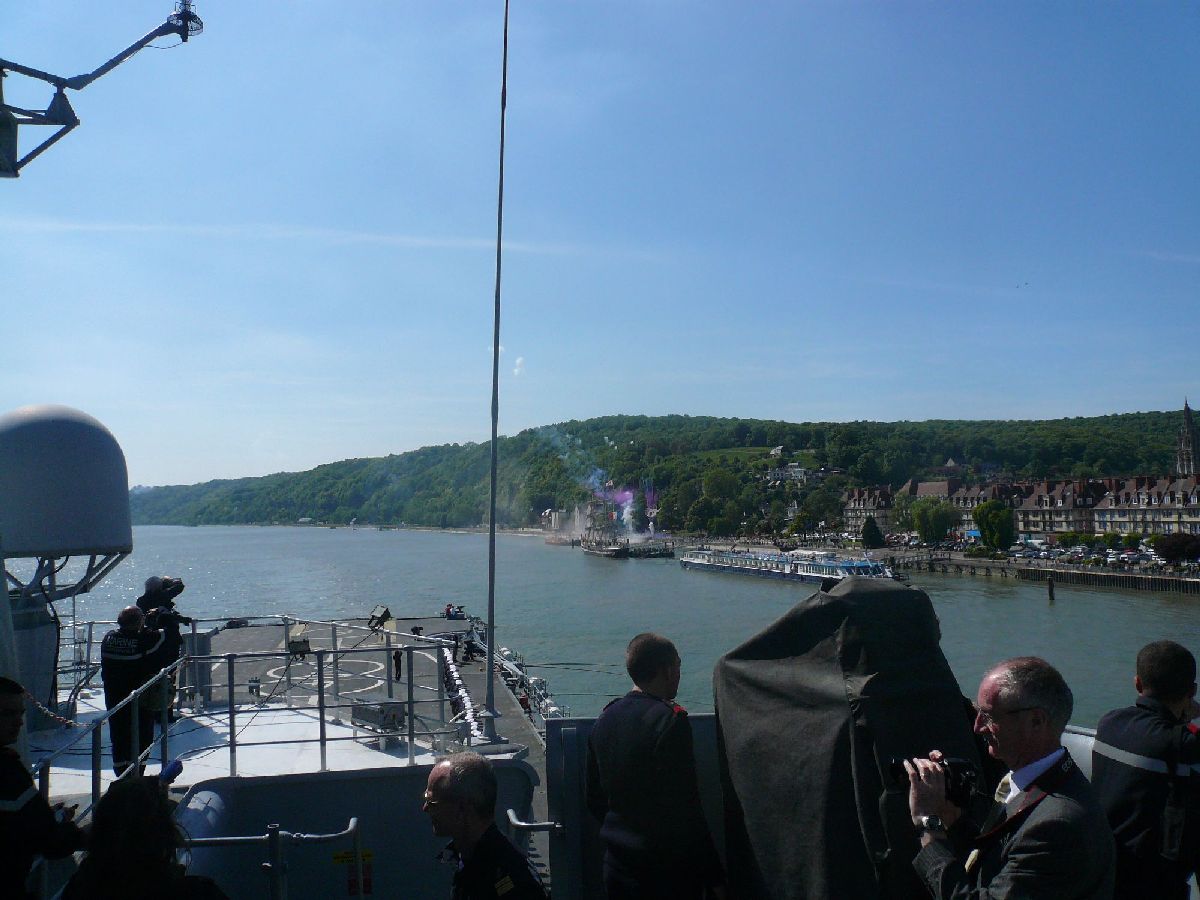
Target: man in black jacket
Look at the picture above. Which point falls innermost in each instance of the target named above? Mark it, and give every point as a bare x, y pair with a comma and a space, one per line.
28, 824
460, 800
130, 656
641, 785
1143, 763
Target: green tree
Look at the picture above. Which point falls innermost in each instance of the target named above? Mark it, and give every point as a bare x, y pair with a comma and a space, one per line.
933, 518
995, 523
1133, 541
1175, 548
872, 537
902, 519
1111, 539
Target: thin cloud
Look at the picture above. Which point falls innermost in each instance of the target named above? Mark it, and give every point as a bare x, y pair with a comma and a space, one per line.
301, 233
519, 366
1188, 258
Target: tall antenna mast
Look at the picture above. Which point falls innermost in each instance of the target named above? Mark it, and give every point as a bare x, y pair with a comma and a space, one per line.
490, 699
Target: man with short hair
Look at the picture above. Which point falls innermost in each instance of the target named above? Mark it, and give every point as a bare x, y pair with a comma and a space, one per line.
28, 825
1142, 762
641, 785
460, 800
1047, 836
131, 655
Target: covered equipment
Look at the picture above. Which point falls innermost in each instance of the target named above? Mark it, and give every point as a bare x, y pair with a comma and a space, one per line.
810, 714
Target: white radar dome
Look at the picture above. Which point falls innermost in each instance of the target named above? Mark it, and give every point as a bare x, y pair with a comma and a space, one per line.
64, 488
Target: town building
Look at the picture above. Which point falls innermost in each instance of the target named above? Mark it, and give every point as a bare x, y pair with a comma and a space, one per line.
1146, 505
859, 504
1056, 507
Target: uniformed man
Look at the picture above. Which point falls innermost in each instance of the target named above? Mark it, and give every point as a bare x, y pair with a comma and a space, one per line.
131, 655
641, 785
28, 824
1142, 763
460, 800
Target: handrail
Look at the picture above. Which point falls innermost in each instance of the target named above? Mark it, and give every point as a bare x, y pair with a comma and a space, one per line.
275, 839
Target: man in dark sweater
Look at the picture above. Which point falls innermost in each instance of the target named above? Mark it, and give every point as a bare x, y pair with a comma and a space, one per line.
460, 800
1143, 769
131, 655
641, 785
29, 826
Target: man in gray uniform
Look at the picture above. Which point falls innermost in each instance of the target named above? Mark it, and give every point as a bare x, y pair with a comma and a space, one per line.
1047, 836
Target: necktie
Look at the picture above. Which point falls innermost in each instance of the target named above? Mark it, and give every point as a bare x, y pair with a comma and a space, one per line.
999, 814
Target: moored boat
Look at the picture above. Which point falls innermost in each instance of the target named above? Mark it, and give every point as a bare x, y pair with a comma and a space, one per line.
808, 566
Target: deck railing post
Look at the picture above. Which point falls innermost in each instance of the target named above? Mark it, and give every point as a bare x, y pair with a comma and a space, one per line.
134, 712
230, 673
277, 873
337, 682
441, 683
387, 663
321, 706
412, 734
97, 762
193, 675
164, 718
358, 862
287, 666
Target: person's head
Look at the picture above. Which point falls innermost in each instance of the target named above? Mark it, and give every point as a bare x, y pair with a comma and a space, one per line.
1166, 671
12, 711
154, 584
1023, 707
133, 834
653, 665
460, 796
131, 619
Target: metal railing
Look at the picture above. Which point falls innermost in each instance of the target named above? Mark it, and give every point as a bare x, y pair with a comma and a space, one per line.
277, 841
327, 663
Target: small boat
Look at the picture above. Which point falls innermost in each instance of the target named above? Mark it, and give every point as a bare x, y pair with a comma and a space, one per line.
807, 566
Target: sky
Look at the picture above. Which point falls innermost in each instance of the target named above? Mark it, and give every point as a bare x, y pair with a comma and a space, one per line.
273, 247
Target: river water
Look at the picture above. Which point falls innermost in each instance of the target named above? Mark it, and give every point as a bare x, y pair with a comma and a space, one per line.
572, 614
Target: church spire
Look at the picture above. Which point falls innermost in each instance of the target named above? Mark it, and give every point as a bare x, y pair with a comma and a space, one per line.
1185, 448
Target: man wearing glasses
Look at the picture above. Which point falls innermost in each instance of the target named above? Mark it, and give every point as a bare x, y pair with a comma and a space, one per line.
460, 800
1047, 835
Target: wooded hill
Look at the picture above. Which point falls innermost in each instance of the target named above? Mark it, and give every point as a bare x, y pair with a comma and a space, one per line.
707, 474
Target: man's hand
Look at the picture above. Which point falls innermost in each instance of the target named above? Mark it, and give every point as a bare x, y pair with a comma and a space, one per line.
64, 813
927, 790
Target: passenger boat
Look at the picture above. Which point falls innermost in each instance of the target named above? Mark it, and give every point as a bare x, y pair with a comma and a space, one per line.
807, 566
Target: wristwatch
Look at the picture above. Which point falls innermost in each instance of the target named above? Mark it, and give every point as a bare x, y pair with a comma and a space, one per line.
933, 824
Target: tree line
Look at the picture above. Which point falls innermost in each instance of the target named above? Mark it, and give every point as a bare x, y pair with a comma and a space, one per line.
702, 474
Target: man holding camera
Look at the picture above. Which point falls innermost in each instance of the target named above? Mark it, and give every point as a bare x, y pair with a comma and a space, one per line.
1047, 835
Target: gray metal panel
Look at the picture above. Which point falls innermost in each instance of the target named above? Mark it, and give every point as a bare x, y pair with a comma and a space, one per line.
64, 488
576, 853
387, 802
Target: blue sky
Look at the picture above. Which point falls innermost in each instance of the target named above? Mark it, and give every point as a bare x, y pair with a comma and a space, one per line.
272, 247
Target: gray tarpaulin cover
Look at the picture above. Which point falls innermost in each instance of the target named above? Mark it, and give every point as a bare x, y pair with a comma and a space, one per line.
809, 713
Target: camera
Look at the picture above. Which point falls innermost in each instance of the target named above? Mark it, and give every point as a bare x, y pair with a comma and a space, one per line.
962, 778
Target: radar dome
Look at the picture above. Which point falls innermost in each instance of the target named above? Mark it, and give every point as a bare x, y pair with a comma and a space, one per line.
64, 488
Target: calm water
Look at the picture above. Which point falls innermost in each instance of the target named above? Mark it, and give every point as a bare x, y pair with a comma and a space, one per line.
574, 614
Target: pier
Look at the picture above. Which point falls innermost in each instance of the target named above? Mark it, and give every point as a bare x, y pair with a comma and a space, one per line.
946, 564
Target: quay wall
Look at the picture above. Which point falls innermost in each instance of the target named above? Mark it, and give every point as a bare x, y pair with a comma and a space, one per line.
1127, 581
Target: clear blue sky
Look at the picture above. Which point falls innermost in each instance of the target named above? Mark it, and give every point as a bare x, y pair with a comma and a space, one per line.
271, 248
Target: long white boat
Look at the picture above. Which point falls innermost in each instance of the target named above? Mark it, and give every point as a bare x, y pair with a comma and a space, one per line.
809, 566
